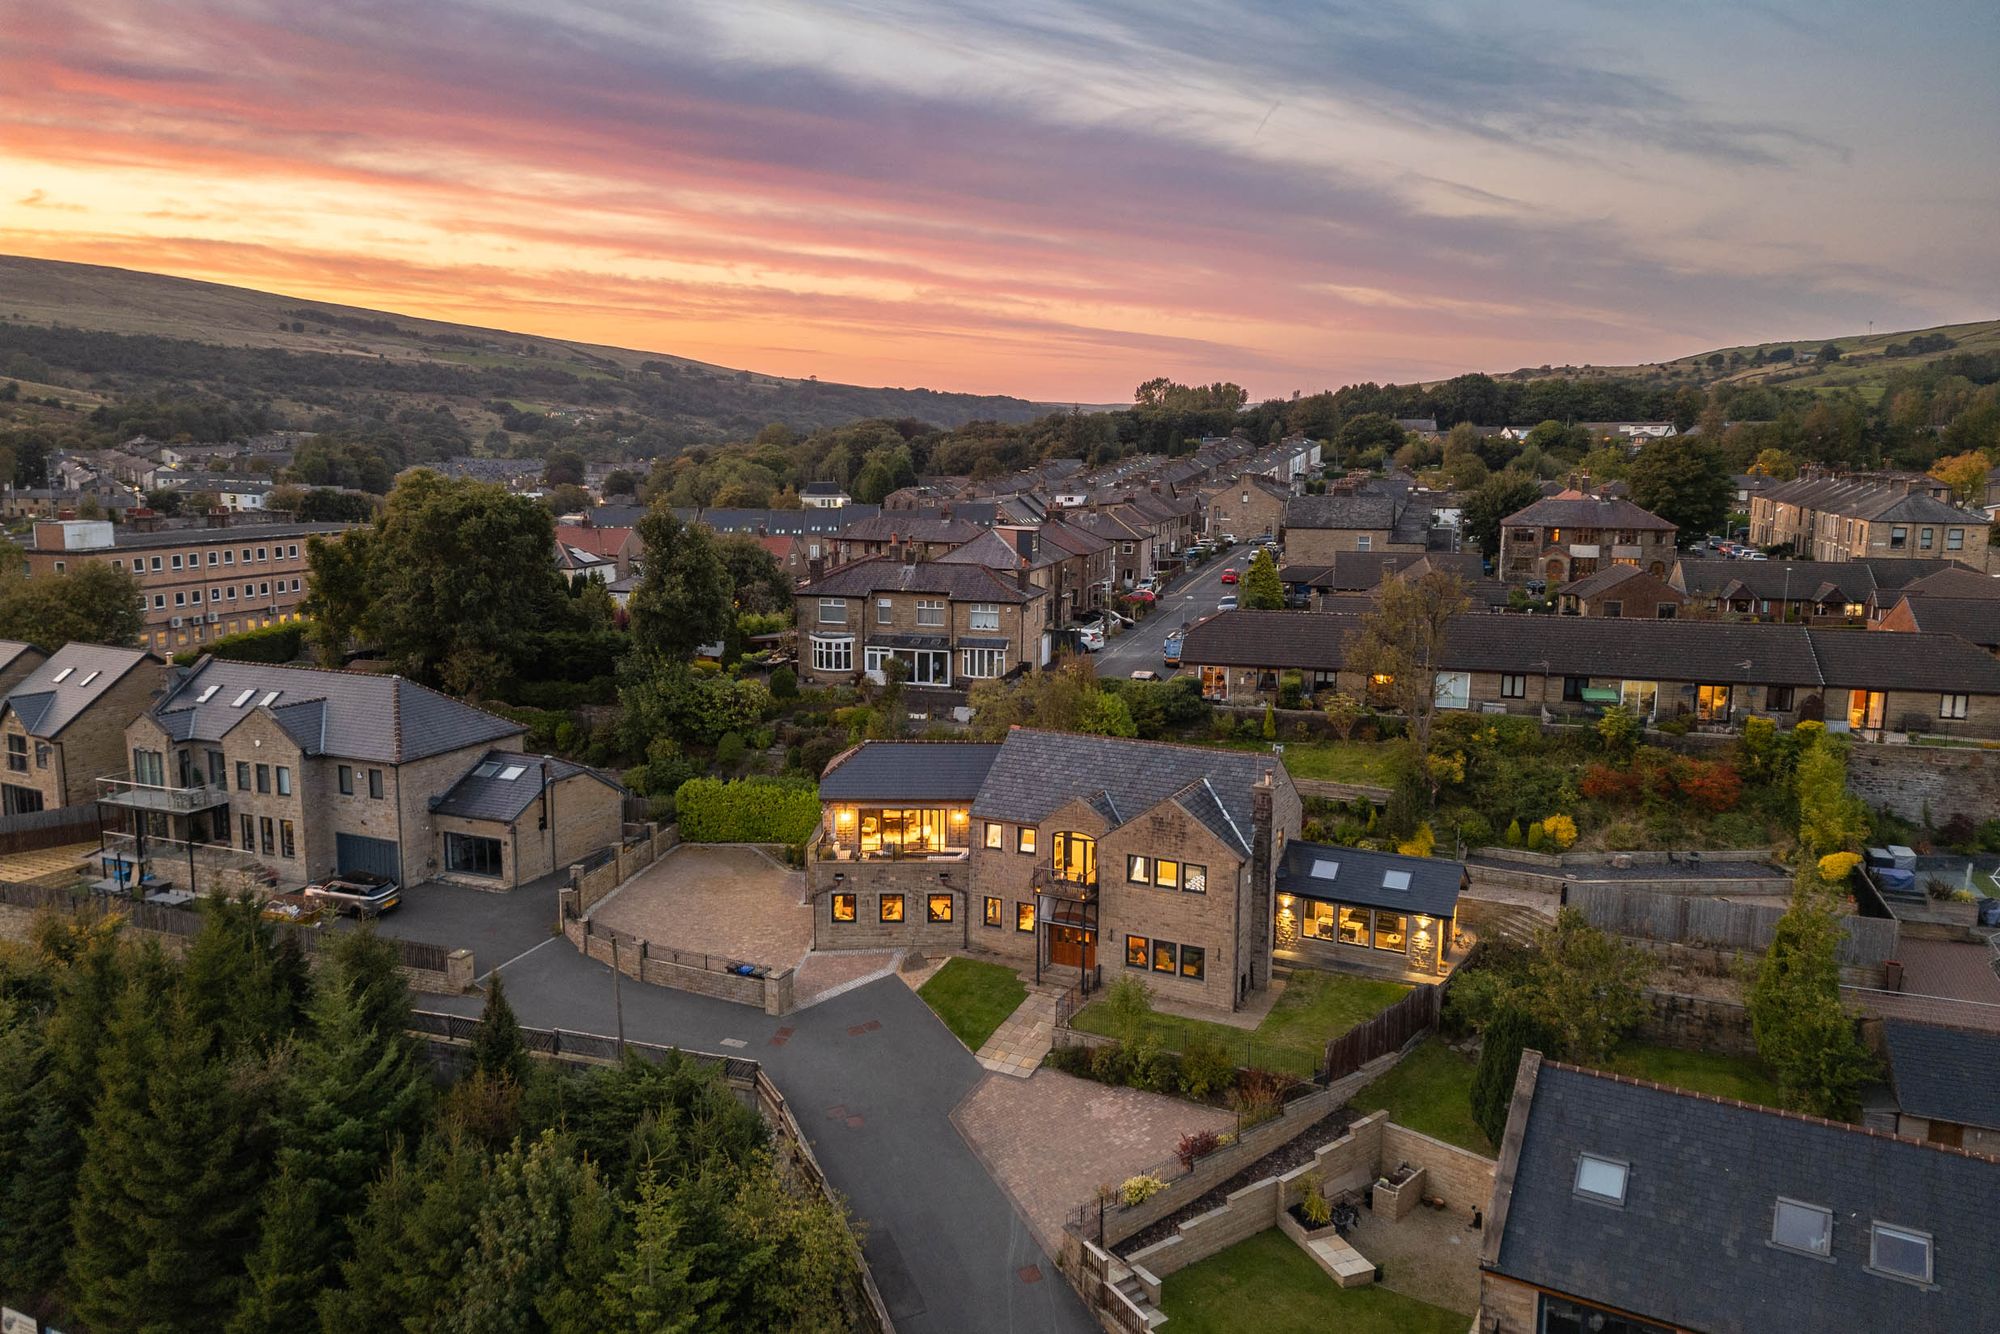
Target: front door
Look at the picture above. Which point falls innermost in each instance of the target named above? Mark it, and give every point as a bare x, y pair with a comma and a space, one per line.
1072, 947
1865, 709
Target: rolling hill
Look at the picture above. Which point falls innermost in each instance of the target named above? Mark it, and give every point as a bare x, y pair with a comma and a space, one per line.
1864, 366
84, 333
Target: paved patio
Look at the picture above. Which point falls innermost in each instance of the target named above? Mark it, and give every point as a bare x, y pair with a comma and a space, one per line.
1025, 1036
1429, 1254
1052, 1139
731, 902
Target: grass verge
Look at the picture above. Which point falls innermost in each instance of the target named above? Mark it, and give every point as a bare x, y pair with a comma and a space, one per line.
1268, 1284
1430, 1092
973, 998
1314, 1008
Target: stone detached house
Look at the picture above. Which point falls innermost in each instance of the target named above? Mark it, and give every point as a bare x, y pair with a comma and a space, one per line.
307, 772
1078, 854
1567, 536
949, 624
63, 725
898, 534
1632, 1208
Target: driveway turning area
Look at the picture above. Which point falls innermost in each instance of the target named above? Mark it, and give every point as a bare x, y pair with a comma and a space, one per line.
731, 902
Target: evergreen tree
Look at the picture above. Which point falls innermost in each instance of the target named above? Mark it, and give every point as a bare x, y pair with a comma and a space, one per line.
1512, 1031
651, 1290
497, 1049
368, 966
1803, 1033
294, 1258
166, 1206
410, 1240
541, 1247
1262, 590
233, 981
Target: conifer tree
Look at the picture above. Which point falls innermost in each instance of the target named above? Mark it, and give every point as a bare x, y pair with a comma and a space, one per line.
410, 1240
293, 1261
541, 1247
497, 1049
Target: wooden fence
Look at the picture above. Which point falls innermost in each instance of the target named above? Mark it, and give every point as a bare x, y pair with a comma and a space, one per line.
50, 828
420, 955
1866, 942
1388, 1031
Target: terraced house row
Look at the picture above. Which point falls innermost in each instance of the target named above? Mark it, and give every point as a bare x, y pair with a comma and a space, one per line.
1713, 673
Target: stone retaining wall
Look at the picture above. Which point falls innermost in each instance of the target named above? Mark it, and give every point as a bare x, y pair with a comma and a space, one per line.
1919, 782
1698, 1023
772, 993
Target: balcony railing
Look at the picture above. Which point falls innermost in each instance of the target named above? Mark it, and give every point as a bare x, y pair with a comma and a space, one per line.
1057, 886
124, 791
833, 850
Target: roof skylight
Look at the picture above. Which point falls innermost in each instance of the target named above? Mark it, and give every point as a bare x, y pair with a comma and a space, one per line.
513, 771
1802, 1227
206, 695
64, 675
88, 679
241, 699
270, 698
1395, 879
1600, 1178
1325, 870
1900, 1251
487, 770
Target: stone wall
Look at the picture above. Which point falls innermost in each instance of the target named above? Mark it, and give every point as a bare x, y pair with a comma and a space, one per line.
1919, 782
772, 993
1461, 1178
916, 881
1698, 1023
1506, 1307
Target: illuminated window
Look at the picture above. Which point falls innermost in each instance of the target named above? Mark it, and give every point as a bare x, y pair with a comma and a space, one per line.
1194, 962
843, 907
993, 911
1165, 956
1138, 950
996, 835
1138, 870
1024, 917
1025, 841
937, 907
892, 908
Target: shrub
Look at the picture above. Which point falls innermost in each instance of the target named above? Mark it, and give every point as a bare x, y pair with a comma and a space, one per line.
1419, 844
1618, 730
1107, 1064
1127, 1006
1710, 784
270, 643
1258, 1097
1205, 1066
748, 810
1835, 867
1603, 783
1137, 1190
1537, 839
1314, 1207
784, 684
1514, 833
1151, 1068
1559, 831
1196, 1144
729, 750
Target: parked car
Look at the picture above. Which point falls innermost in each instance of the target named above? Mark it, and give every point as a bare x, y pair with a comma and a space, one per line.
1228, 602
1755, 555
1229, 575
1090, 635
357, 892
1142, 595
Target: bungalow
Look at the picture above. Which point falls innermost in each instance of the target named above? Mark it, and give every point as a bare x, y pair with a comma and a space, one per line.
1713, 673
1630, 1207
1049, 846
1338, 904
1975, 620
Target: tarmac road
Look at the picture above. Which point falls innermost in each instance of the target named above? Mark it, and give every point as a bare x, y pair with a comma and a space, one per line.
1194, 597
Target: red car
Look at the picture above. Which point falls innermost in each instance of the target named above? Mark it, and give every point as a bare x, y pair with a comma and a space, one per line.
1229, 576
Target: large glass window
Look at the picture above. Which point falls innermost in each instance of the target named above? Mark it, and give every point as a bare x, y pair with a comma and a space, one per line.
833, 655
1391, 930
895, 832
1074, 858
982, 664
469, 854
1562, 1316
1639, 697
1316, 919
1354, 926
1711, 703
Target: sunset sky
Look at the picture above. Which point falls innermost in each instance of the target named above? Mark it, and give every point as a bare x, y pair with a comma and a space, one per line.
1038, 197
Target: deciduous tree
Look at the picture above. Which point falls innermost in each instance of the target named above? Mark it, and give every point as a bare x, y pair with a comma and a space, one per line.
1684, 482
1399, 646
685, 598
1499, 496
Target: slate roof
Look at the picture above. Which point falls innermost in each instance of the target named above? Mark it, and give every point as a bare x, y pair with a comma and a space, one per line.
1612, 578
901, 770
350, 715
1364, 878
885, 574
908, 527
484, 793
796, 523
1955, 581
12, 649
1038, 771
822, 489
1363, 512
1975, 620
1356, 571
1711, 652
1944, 1074
45, 705
1690, 1245
1566, 511
1878, 502
1771, 580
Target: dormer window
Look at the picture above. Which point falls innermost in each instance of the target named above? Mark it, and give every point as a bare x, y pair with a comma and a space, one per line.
1802, 1227
1601, 1179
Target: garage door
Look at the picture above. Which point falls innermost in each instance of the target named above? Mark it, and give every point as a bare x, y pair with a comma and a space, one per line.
355, 853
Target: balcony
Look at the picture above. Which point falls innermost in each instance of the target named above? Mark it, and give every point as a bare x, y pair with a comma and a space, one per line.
1056, 886
123, 792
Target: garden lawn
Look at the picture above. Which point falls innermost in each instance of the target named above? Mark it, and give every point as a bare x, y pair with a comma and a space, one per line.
1430, 1092
1368, 762
973, 998
1741, 1077
1268, 1284
1314, 1008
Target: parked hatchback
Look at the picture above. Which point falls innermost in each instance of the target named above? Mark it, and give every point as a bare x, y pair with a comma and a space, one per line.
1229, 576
357, 892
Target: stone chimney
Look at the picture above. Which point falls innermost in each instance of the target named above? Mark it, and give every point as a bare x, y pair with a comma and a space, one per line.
1263, 878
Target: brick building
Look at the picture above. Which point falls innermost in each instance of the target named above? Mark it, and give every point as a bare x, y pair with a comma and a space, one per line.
305, 772
200, 583
1069, 852
63, 725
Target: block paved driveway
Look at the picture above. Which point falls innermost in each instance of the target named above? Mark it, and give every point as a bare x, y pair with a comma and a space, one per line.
872, 1076
1053, 1139
731, 902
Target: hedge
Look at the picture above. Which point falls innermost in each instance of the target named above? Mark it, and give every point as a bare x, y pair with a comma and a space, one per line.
747, 810
272, 643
